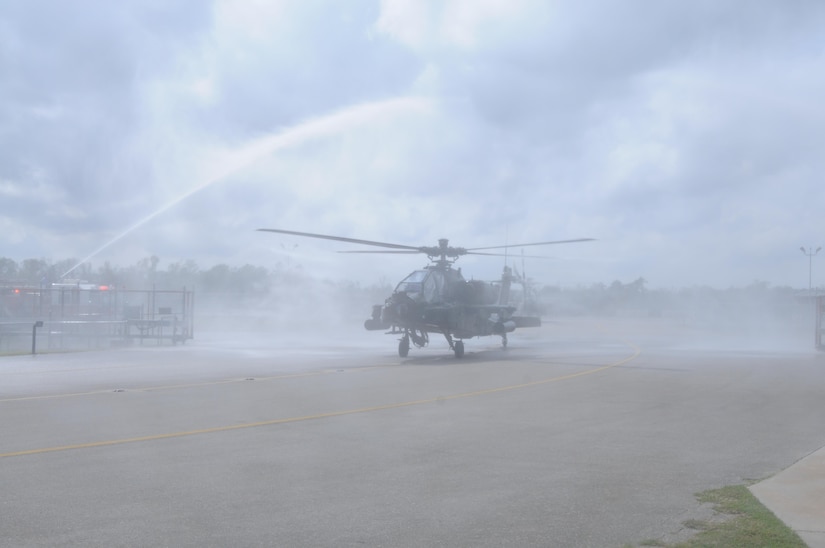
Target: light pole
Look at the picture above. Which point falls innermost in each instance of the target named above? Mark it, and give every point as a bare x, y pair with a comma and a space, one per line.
810, 254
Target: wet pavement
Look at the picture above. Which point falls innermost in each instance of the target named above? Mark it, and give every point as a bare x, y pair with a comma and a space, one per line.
582, 433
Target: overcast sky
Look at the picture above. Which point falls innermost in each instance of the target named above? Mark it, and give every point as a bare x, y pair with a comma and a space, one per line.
687, 137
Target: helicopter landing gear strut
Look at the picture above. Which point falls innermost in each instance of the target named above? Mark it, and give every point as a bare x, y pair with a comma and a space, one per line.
418, 338
504, 340
456, 346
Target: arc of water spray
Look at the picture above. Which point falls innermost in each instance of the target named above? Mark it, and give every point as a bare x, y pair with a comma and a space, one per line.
336, 122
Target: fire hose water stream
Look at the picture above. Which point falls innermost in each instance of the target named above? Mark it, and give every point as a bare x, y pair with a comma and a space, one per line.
335, 123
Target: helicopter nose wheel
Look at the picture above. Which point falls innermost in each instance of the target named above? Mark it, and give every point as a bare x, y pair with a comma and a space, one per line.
404, 346
458, 348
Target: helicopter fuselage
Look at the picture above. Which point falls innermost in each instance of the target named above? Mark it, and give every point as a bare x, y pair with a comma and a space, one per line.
439, 300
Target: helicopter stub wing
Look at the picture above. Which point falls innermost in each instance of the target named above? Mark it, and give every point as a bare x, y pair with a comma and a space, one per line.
526, 321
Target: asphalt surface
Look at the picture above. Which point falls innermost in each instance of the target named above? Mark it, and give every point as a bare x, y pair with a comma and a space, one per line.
584, 433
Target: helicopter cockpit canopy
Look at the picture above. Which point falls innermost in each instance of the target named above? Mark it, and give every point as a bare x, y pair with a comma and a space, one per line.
423, 286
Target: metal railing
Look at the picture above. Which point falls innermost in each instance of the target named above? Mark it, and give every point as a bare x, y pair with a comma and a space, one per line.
75, 318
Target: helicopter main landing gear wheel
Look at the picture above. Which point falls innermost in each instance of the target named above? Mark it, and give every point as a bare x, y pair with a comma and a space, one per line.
458, 348
504, 341
404, 346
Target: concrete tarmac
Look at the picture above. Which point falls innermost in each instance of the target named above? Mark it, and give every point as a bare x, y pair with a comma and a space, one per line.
584, 433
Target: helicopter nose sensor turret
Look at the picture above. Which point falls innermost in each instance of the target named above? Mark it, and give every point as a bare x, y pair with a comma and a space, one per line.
401, 309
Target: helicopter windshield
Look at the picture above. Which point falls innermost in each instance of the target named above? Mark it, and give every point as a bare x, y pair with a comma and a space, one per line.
423, 286
412, 284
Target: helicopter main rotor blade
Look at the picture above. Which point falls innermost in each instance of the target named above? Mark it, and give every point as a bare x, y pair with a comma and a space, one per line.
510, 255
340, 239
535, 243
403, 252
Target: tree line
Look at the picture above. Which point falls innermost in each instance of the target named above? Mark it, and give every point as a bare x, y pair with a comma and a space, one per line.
144, 274
259, 283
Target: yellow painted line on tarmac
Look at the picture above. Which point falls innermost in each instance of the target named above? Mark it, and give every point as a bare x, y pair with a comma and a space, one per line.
318, 416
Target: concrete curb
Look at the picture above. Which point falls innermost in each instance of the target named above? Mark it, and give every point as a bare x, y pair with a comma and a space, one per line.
797, 497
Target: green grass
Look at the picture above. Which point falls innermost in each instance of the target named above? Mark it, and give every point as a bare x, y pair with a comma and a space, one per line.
741, 522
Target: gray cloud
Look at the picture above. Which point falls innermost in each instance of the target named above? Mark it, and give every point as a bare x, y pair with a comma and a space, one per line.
684, 136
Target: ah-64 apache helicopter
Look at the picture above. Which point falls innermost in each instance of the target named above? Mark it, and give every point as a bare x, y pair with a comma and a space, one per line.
437, 299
